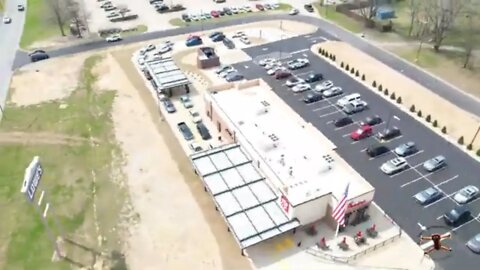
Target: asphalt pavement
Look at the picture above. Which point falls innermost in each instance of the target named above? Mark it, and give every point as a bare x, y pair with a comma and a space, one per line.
393, 193
440, 87
10, 35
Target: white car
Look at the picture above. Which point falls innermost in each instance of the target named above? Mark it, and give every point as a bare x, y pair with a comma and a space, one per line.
466, 194
302, 87
234, 10
294, 81
164, 48
273, 70
194, 17
113, 38
247, 8
265, 61
324, 86
394, 166
275, 5
225, 73
150, 47
240, 34
272, 64
334, 91
245, 40
196, 118
294, 11
7, 20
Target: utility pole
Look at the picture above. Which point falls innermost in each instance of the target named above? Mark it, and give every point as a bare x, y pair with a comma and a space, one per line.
475, 136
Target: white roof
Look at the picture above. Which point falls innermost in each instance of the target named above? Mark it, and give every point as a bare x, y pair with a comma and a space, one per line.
303, 161
166, 73
241, 194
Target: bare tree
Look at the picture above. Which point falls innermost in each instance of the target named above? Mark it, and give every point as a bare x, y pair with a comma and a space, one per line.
57, 7
368, 9
414, 8
472, 16
441, 15
78, 17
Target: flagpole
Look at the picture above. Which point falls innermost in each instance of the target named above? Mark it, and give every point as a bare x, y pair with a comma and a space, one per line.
337, 230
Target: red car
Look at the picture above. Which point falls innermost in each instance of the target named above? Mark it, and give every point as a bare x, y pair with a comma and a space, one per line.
282, 74
260, 7
362, 133
214, 14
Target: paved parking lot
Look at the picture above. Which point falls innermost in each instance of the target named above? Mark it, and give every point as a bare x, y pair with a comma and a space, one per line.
393, 193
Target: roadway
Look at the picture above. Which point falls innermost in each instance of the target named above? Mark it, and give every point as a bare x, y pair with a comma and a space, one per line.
394, 193
9, 40
440, 87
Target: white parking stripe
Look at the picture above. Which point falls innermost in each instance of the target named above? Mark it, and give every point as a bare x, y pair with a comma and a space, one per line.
340, 128
300, 51
327, 114
416, 179
468, 222
416, 153
439, 200
446, 181
406, 170
329, 122
322, 108
363, 150
384, 154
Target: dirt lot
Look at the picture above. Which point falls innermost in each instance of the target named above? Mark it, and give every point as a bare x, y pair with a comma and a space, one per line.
458, 122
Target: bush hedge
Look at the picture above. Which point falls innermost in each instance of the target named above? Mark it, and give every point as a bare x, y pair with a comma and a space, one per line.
460, 140
412, 108
419, 113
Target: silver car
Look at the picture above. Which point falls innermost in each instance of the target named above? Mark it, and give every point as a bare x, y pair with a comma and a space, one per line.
434, 163
334, 91
323, 86
466, 194
474, 244
394, 166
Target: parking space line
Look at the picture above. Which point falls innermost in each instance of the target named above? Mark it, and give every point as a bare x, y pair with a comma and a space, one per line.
315, 103
474, 218
300, 51
340, 128
346, 135
363, 150
327, 114
446, 181
329, 122
384, 154
408, 169
303, 73
416, 153
322, 108
446, 196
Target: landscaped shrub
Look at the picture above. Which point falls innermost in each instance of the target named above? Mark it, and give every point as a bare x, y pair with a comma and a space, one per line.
428, 118
412, 108
352, 70
399, 100
386, 92
478, 152
374, 84
419, 113
444, 131
435, 123
363, 77
357, 73
347, 67
380, 88
469, 146
334, 58
392, 96
320, 50
460, 140
341, 64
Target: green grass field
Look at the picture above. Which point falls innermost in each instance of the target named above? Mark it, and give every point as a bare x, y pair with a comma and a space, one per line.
38, 23
69, 174
329, 13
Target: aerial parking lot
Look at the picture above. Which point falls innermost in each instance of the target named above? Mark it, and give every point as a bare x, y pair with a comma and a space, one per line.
398, 178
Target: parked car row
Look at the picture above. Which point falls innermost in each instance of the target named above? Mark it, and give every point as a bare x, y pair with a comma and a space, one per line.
226, 11
161, 7
229, 73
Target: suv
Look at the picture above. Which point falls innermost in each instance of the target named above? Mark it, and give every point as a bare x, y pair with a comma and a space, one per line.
312, 97
434, 164
314, 77
185, 130
38, 56
187, 103
298, 63
347, 99
203, 130
377, 150
394, 166
355, 106
457, 216
406, 149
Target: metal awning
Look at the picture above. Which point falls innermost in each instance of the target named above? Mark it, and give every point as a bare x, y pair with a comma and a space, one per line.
166, 73
243, 196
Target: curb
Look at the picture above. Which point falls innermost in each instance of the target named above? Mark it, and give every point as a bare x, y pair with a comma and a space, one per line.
449, 139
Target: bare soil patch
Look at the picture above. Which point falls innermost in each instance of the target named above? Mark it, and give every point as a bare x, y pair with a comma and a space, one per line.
17, 137
458, 122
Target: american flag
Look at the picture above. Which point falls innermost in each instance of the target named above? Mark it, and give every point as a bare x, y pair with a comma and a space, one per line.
339, 212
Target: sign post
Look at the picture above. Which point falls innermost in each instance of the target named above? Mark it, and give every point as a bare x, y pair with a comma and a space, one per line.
31, 181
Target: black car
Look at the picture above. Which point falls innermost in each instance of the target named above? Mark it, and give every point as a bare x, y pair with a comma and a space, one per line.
203, 130
221, 13
312, 97
389, 134
308, 7
377, 150
372, 120
228, 43
186, 17
185, 130
36, 51
38, 56
344, 121
314, 77
457, 216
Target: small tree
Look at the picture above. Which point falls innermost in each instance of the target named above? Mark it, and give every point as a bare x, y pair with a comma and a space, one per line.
374, 84
478, 152
352, 70
347, 67
392, 96
320, 50
419, 113
435, 123
386, 92
428, 118
412, 108
363, 77
334, 58
460, 140
341, 64
444, 131
469, 146
357, 73
399, 100
380, 88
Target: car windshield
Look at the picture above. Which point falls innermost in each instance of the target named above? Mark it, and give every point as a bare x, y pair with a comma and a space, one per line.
467, 192
430, 192
454, 213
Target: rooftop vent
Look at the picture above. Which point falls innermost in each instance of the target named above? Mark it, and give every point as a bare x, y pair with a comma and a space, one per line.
328, 158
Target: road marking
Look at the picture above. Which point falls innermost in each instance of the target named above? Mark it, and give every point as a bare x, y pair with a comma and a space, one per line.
264, 49
408, 169
307, 36
304, 55
414, 154
246, 67
340, 128
416, 179
299, 51
363, 150
322, 108
346, 135
440, 217
303, 73
384, 154
445, 196
446, 181
423, 228
329, 122
468, 222
325, 115
318, 37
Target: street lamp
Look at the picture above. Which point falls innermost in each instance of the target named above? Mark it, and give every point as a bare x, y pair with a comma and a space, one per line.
475, 136
390, 119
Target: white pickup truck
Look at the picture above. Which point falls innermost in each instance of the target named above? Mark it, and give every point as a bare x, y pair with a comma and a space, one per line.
355, 106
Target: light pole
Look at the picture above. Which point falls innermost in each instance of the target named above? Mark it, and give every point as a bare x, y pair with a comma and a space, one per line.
281, 48
391, 115
475, 136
